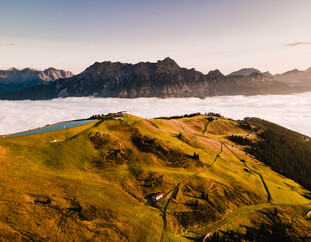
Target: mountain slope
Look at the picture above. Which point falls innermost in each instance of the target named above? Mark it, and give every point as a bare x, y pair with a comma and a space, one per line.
14, 80
161, 79
95, 181
295, 77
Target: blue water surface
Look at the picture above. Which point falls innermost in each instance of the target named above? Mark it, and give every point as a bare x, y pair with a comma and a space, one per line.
64, 125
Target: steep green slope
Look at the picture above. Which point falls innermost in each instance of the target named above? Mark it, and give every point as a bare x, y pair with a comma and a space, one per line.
94, 183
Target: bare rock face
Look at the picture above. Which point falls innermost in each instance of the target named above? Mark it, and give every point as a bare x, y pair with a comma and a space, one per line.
14, 79
163, 79
52, 74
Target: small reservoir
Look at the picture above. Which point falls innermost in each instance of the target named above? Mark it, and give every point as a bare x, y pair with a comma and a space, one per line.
64, 125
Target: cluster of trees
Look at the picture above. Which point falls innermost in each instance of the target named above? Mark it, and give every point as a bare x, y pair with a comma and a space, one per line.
211, 119
230, 236
204, 196
240, 140
274, 232
180, 135
181, 116
244, 125
102, 116
286, 151
196, 156
215, 114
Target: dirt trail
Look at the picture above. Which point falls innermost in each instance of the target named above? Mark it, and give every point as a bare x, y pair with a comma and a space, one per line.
205, 128
265, 185
261, 177
175, 190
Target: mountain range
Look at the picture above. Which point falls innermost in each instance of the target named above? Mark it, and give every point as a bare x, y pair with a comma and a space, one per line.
163, 79
293, 78
15, 80
296, 77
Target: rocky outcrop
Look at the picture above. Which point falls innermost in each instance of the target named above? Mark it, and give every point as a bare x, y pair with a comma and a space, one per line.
52, 74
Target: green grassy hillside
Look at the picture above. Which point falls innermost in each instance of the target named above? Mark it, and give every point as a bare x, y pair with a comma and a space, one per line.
92, 184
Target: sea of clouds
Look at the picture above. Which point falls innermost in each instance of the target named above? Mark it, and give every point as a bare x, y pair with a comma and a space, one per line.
291, 111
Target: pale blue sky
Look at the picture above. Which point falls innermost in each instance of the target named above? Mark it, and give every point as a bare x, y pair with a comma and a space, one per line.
206, 35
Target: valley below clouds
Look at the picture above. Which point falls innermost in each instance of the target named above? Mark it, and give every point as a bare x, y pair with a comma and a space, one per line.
290, 111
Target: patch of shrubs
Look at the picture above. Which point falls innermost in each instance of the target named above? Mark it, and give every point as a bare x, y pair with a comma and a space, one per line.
181, 116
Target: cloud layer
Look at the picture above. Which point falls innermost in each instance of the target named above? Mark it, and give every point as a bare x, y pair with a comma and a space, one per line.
291, 111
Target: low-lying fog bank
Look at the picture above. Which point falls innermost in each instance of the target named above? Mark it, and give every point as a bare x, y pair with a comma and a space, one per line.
291, 111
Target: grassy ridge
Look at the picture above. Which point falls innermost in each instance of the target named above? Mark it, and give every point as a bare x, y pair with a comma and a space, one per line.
92, 185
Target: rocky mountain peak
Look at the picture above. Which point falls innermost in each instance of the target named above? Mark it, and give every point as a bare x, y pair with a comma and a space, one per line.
168, 62
50, 69
215, 74
294, 71
267, 73
29, 69
308, 70
12, 69
106, 68
244, 72
96, 67
52, 74
167, 65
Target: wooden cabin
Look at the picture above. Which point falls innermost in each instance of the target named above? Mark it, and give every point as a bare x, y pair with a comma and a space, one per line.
157, 196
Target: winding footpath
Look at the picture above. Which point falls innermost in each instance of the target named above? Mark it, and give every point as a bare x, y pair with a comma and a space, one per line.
205, 128
175, 190
261, 177
235, 214
265, 185
247, 209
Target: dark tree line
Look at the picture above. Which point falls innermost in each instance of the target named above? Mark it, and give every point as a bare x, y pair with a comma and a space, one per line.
286, 151
240, 140
266, 232
244, 125
181, 116
102, 116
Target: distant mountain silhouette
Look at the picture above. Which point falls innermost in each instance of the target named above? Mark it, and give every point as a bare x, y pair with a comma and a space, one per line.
14, 79
244, 72
162, 79
248, 71
296, 77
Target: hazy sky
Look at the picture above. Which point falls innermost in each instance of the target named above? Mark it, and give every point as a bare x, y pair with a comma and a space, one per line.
204, 34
